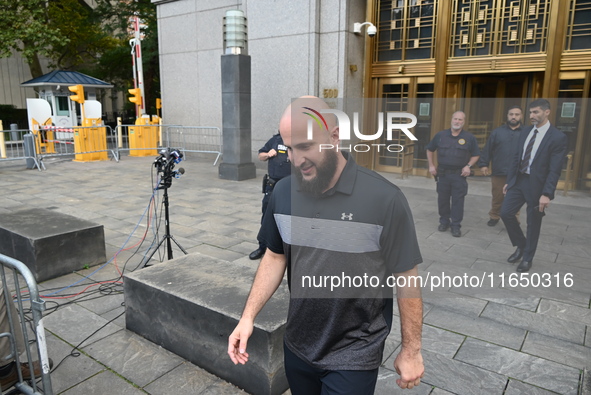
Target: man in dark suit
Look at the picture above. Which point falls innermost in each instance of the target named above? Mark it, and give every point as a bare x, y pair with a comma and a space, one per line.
532, 179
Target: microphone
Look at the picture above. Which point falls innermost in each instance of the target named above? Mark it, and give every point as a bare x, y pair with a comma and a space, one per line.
176, 156
178, 173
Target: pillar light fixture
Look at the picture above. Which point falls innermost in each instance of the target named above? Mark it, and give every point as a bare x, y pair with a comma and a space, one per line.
235, 34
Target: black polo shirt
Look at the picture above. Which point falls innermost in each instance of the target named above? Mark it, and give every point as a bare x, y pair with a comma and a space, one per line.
362, 226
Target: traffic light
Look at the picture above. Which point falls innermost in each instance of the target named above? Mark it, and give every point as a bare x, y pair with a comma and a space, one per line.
137, 96
158, 104
78, 91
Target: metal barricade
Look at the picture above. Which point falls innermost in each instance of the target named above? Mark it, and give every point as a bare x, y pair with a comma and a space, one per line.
140, 140
85, 143
36, 306
13, 146
198, 139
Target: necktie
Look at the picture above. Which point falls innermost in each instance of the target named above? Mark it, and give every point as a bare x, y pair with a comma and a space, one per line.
527, 155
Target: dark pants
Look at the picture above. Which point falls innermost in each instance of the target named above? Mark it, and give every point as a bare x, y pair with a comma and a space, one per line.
516, 197
451, 191
306, 380
266, 199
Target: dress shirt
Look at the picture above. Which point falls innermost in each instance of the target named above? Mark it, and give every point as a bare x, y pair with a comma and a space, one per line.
541, 133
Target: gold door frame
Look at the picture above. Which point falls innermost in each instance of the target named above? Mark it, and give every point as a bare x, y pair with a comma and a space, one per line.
411, 92
409, 146
580, 162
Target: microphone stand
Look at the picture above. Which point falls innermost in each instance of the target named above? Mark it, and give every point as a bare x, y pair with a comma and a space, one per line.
165, 183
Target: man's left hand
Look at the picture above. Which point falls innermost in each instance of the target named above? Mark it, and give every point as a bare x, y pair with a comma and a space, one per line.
409, 365
544, 202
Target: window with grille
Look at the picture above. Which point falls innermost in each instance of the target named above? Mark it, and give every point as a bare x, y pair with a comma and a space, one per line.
406, 29
578, 34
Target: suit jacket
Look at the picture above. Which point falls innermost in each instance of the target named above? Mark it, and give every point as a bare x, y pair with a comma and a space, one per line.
546, 165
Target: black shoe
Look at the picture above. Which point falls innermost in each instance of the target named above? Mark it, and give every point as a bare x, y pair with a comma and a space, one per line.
456, 232
492, 222
257, 254
443, 227
11, 378
524, 266
516, 255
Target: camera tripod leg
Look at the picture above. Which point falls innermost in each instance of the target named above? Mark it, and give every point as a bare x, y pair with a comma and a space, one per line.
178, 245
145, 263
164, 238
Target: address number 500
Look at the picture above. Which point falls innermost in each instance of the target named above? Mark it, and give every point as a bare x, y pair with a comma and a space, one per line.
331, 93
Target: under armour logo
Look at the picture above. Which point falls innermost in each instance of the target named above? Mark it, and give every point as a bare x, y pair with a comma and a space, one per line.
347, 216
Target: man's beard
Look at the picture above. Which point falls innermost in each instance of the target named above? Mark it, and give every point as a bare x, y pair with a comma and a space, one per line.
514, 123
324, 173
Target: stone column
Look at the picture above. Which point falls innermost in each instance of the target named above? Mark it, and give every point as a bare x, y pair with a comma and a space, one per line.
237, 162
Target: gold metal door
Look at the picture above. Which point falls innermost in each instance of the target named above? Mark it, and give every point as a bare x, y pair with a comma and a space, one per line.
413, 95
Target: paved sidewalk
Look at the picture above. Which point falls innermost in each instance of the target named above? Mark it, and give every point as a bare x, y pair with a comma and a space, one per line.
495, 337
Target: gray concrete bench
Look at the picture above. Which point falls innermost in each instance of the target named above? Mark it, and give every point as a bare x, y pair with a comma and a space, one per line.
50, 243
191, 304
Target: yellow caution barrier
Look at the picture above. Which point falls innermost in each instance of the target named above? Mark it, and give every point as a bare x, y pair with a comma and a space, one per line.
143, 135
90, 141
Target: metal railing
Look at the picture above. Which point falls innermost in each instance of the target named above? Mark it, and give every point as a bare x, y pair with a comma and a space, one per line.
95, 143
139, 140
147, 140
18, 144
197, 139
18, 324
85, 143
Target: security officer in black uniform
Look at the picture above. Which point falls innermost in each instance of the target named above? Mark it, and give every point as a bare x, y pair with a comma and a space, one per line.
275, 153
458, 152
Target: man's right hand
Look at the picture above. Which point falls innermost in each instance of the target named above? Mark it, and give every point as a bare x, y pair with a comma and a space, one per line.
269, 276
484, 170
272, 153
505, 189
410, 367
433, 170
238, 340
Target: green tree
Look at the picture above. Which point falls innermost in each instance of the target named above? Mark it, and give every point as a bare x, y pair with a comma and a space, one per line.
64, 31
87, 40
75, 36
24, 27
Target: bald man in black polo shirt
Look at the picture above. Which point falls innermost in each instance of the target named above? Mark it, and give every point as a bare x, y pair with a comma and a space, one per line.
335, 218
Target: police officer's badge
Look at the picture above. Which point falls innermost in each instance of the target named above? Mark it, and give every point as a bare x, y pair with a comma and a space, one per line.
461, 141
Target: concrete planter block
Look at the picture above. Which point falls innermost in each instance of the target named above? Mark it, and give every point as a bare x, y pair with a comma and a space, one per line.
191, 304
50, 243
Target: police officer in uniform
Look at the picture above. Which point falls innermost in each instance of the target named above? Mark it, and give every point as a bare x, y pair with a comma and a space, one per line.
275, 153
457, 152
